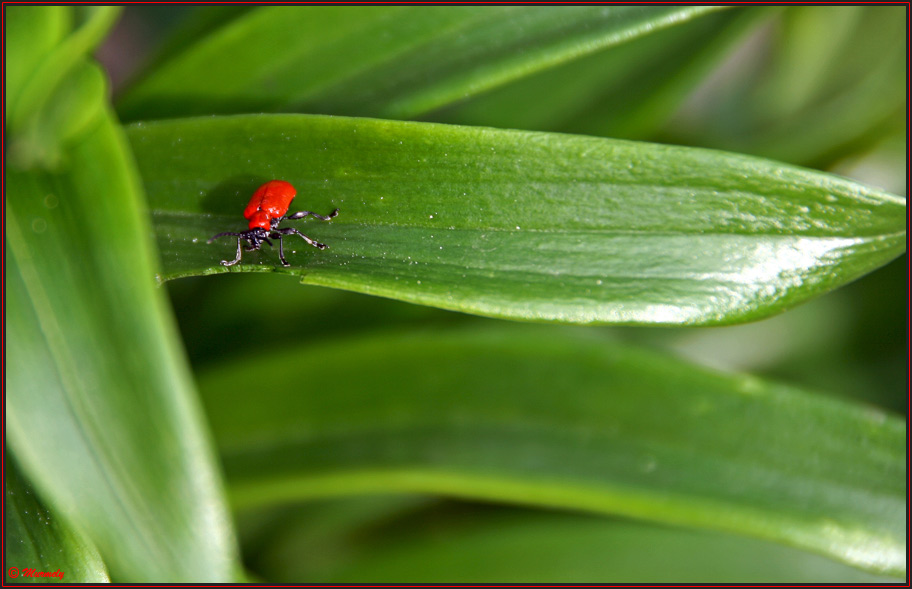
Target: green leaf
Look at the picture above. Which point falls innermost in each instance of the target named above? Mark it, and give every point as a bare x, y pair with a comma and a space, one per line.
638, 106
100, 409
847, 343
378, 539
38, 539
321, 530
623, 92
520, 225
834, 82
212, 311
871, 88
181, 26
56, 94
63, 39
549, 417
75, 107
390, 61
31, 35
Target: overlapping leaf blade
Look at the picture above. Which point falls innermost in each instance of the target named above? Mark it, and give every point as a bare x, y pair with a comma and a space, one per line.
834, 83
100, 412
625, 92
382, 538
389, 61
550, 417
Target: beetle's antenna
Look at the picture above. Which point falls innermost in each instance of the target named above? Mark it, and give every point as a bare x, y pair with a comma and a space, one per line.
214, 237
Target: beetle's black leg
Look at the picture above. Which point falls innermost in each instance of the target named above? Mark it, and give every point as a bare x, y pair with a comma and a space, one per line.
240, 236
303, 214
237, 259
292, 230
282, 252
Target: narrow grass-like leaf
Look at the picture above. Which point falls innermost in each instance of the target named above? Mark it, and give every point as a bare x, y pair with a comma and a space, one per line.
640, 105
376, 539
521, 225
622, 92
39, 540
100, 412
389, 61
835, 82
54, 93
60, 50
35, 35
195, 22
540, 417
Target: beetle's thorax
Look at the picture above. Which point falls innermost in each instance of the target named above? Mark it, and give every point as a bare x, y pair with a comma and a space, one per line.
261, 220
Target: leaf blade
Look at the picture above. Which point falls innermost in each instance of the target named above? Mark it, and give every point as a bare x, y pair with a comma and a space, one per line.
36, 537
388, 61
100, 408
625, 92
521, 225
542, 417
141, 480
374, 539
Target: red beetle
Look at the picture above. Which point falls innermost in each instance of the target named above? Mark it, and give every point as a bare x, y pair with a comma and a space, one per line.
265, 211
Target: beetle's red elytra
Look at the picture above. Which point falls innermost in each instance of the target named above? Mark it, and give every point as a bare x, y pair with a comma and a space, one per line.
264, 212
270, 201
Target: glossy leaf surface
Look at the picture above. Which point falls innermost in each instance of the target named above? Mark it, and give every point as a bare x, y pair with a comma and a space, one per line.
521, 225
